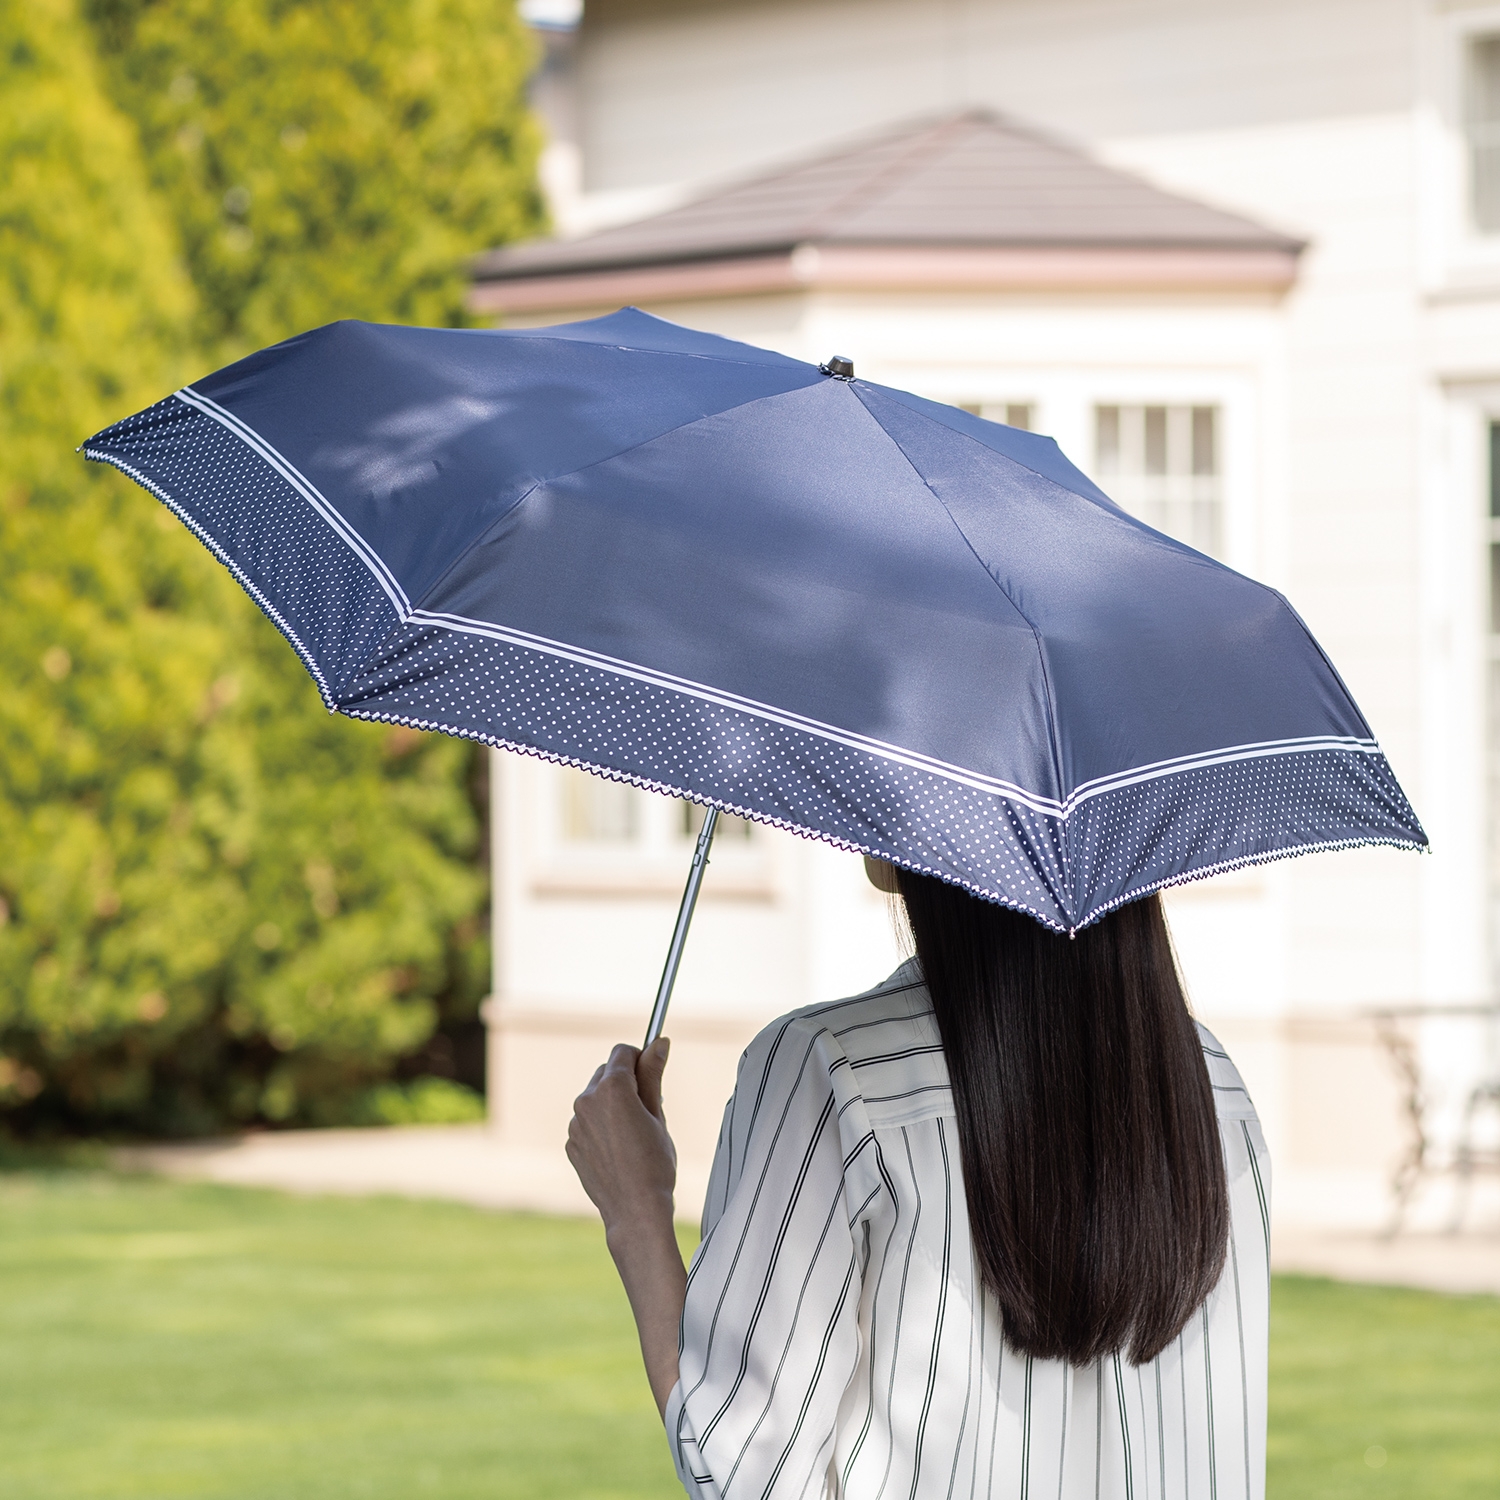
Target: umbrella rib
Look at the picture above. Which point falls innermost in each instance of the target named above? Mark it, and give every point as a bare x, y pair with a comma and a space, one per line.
607, 458
407, 613
1085, 790
537, 337
351, 537
1005, 593
1037, 801
651, 784
890, 393
1266, 856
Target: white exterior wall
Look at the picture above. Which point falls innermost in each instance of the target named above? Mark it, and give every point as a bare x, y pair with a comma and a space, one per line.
1354, 417
678, 91
581, 931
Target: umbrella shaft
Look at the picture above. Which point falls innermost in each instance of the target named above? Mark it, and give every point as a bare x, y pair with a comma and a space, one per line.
680, 932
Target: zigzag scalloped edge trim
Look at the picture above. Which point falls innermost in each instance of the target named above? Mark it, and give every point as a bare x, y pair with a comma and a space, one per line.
648, 784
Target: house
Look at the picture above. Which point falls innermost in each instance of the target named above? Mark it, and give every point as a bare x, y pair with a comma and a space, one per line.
1244, 264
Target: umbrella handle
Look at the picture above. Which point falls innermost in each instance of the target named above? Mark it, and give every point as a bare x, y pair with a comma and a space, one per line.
680, 932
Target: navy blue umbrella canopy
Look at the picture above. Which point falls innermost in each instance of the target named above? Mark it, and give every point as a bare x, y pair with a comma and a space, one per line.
814, 601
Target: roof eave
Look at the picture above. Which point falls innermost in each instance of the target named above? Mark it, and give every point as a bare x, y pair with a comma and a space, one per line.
894, 267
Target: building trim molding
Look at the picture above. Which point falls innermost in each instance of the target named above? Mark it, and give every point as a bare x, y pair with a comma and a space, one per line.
1002, 268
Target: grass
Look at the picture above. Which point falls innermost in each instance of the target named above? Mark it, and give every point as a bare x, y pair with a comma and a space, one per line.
162, 1340
1382, 1394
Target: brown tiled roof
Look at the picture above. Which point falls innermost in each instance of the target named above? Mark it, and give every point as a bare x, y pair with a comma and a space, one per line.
968, 180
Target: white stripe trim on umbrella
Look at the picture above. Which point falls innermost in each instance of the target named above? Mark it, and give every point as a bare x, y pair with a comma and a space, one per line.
1049, 806
245, 582
1035, 801
307, 489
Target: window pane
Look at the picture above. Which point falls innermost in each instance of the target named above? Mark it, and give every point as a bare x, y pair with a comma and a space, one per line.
729, 827
1012, 413
1162, 464
1495, 469
1482, 108
1205, 456
1484, 80
597, 811
1107, 439
1156, 440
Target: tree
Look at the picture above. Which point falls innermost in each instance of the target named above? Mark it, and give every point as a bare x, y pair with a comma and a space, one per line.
329, 158
333, 158
217, 903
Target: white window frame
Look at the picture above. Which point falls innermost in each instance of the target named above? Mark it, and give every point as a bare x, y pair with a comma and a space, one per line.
1457, 259
653, 863
1179, 421
1062, 404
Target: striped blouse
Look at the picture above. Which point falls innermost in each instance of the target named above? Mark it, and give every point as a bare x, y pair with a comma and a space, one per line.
837, 1340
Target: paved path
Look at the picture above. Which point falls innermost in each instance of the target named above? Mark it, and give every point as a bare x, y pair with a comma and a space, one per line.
465, 1163
1442, 1263
468, 1164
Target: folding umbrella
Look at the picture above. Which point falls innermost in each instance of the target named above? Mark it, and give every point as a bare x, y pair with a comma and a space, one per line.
774, 589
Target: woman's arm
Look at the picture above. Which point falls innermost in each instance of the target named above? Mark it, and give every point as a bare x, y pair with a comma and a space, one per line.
619, 1146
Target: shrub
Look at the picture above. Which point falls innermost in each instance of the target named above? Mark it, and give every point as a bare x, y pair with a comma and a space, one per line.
218, 905
423, 1101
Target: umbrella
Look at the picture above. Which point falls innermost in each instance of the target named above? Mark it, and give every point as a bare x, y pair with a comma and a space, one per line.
774, 589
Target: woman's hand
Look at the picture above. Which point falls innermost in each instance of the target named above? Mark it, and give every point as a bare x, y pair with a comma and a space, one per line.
618, 1141
619, 1146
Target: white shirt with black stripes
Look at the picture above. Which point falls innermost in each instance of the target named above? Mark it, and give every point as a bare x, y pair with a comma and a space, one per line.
837, 1340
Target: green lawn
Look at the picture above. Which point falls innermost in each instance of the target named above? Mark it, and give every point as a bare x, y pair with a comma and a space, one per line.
1381, 1393
163, 1340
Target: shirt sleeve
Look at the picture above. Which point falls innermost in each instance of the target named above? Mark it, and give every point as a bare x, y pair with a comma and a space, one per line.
770, 1327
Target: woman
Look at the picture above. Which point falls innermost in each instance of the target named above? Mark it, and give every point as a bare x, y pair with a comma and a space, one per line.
998, 1227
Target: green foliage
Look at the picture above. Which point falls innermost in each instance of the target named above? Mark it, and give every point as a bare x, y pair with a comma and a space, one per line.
217, 903
93, 304
329, 158
423, 1101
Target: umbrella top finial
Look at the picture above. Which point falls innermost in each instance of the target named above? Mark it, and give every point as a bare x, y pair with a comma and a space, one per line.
839, 366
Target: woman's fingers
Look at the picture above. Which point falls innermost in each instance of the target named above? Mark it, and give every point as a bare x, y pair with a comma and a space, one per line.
619, 1067
622, 1059
649, 1067
617, 1139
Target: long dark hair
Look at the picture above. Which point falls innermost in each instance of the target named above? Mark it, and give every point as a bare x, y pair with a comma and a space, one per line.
1086, 1122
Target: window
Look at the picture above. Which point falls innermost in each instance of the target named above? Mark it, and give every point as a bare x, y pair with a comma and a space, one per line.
690, 820
1011, 413
603, 837
1482, 127
1161, 463
597, 811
